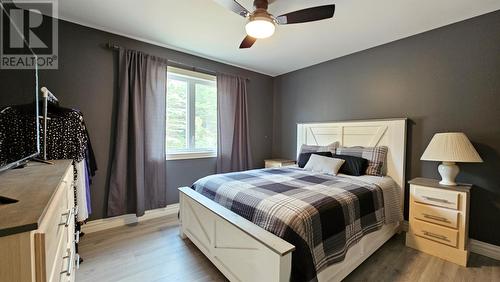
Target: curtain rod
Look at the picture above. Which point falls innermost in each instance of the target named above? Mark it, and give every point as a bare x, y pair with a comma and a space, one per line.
176, 64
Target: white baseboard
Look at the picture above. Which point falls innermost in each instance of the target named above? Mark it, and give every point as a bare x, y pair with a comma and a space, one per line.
117, 221
475, 246
405, 225
484, 249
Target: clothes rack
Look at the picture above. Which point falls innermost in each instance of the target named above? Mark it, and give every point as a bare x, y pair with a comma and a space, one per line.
46, 95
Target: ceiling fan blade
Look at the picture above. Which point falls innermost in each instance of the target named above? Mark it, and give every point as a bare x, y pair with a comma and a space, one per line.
247, 42
234, 6
307, 15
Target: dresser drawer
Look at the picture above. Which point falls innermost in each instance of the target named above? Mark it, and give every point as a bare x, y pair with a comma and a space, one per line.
67, 266
56, 265
278, 163
58, 268
68, 181
434, 232
437, 215
272, 164
54, 223
437, 197
57, 225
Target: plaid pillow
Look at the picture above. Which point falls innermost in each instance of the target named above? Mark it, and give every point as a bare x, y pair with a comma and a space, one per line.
376, 157
315, 148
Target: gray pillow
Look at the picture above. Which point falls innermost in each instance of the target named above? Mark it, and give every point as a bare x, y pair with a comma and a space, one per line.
316, 148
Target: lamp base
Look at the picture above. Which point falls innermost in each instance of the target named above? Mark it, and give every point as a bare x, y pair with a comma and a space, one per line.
448, 172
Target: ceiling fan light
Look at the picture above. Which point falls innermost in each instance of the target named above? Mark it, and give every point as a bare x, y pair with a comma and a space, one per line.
260, 27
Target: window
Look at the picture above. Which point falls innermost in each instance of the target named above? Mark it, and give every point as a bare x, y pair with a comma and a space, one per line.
191, 114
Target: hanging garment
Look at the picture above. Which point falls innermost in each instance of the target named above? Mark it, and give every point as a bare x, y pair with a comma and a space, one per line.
81, 191
67, 138
87, 188
17, 135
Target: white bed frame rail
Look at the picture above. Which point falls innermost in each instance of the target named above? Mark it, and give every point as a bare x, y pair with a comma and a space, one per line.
243, 251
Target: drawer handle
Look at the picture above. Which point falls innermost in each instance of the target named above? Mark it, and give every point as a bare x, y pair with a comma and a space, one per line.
434, 217
437, 236
77, 237
437, 200
71, 261
68, 215
77, 260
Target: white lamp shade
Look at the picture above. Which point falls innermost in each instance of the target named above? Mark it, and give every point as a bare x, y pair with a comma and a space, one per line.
451, 147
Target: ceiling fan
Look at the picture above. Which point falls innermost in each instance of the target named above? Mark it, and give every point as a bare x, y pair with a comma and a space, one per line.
262, 24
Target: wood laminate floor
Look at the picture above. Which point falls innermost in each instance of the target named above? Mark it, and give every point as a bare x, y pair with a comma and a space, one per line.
153, 251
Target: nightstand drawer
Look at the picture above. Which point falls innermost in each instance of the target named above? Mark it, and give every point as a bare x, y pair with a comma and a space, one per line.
434, 232
436, 215
437, 197
278, 163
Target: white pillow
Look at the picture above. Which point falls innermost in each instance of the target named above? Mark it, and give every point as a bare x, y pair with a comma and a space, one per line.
324, 164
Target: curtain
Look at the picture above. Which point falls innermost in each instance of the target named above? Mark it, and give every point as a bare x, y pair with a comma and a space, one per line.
233, 138
138, 170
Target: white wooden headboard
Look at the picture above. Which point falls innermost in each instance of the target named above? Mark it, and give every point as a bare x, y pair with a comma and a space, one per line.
368, 133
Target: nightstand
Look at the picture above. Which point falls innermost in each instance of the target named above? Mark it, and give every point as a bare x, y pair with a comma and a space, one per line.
278, 163
439, 219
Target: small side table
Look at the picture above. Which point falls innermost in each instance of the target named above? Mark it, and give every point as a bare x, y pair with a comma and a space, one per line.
278, 163
439, 219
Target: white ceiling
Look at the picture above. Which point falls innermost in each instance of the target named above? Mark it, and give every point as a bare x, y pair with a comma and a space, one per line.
204, 28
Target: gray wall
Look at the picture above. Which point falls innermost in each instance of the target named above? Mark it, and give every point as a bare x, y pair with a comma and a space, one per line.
86, 80
443, 80
446, 79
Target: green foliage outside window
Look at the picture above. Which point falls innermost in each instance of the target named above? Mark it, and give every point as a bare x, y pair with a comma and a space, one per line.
177, 115
191, 114
206, 117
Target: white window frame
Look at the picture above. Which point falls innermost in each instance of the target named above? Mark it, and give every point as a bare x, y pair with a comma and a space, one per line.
192, 78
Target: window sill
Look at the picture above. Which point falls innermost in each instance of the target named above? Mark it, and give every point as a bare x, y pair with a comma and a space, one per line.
190, 155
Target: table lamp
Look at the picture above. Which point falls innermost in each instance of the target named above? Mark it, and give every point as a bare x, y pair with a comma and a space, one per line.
450, 148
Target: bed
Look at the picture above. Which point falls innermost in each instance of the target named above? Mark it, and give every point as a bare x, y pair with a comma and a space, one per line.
247, 251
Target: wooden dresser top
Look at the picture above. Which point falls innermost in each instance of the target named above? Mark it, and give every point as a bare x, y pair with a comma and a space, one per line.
462, 187
33, 186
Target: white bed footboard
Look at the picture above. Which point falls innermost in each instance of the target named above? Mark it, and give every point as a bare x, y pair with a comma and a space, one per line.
241, 250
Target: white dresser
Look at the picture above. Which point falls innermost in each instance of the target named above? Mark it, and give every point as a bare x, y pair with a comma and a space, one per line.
37, 233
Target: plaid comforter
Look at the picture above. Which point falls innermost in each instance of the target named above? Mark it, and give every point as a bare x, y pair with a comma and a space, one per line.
321, 215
